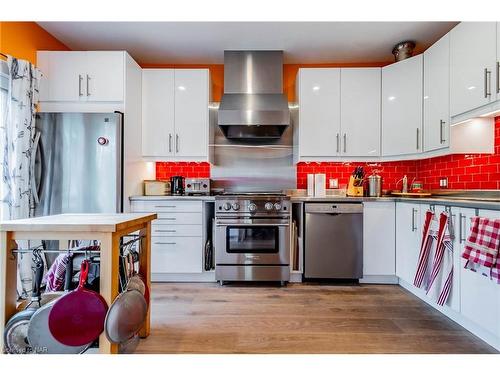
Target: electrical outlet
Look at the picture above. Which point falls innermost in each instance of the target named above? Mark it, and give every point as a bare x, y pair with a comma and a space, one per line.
333, 183
443, 182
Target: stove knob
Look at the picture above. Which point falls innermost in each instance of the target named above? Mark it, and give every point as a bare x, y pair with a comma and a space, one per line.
236, 206
252, 207
277, 206
268, 206
227, 206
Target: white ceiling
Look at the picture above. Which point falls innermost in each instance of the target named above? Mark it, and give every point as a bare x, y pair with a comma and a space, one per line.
204, 42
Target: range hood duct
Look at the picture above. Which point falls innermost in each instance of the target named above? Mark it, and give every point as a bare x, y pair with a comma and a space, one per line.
253, 105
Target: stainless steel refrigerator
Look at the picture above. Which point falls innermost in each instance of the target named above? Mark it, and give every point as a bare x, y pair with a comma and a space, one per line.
79, 163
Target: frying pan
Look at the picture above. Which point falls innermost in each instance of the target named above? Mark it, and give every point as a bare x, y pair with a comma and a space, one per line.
135, 282
16, 330
39, 335
143, 286
77, 318
127, 313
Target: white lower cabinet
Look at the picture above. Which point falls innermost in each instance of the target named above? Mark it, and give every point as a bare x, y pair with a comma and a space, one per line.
475, 298
176, 255
177, 238
408, 235
480, 296
379, 247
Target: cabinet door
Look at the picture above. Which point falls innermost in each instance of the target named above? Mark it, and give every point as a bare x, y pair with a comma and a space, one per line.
472, 64
454, 298
319, 112
408, 236
191, 112
158, 112
480, 296
379, 247
437, 95
402, 107
105, 76
176, 255
66, 76
360, 111
497, 70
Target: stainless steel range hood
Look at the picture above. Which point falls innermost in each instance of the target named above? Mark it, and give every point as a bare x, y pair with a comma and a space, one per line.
253, 105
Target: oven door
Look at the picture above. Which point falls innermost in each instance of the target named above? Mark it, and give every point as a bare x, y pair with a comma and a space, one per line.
250, 242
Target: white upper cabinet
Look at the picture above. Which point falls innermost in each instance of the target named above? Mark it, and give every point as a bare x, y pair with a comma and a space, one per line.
360, 111
319, 112
158, 112
437, 95
402, 107
472, 65
175, 118
497, 70
81, 76
191, 112
104, 76
63, 76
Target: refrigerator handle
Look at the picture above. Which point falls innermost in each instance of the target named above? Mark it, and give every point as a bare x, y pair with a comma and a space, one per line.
34, 185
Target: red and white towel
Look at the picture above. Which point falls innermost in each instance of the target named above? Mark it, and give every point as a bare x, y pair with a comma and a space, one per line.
482, 246
435, 263
441, 278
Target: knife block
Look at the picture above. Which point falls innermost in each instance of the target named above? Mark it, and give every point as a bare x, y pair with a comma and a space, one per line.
354, 191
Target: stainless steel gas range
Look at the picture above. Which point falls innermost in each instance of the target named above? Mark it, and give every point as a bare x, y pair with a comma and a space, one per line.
252, 237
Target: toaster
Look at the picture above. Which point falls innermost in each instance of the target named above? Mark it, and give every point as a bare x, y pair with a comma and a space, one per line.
197, 186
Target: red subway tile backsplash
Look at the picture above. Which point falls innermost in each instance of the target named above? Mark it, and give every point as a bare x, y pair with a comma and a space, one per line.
463, 171
165, 170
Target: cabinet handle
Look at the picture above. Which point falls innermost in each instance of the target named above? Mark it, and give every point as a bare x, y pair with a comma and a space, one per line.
169, 142
165, 243
487, 83
498, 77
167, 218
413, 227
80, 79
88, 85
166, 230
441, 131
165, 206
177, 143
460, 226
418, 138
338, 142
345, 142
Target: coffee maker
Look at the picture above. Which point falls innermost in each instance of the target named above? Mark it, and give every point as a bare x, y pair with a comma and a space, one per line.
177, 185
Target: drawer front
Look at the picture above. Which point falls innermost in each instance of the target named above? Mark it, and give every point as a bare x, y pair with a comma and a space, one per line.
162, 230
165, 218
167, 206
176, 255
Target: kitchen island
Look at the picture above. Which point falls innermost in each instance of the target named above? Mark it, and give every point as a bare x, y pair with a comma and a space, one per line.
106, 228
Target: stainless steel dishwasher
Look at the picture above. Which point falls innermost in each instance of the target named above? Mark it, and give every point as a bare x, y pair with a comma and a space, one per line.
333, 241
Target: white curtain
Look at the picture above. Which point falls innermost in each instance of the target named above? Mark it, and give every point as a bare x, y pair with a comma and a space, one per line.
17, 132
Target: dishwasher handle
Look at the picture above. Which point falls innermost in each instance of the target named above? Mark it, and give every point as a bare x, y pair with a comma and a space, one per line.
333, 208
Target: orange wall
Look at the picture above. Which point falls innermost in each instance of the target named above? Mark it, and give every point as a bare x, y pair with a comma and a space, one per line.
289, 74
23, 39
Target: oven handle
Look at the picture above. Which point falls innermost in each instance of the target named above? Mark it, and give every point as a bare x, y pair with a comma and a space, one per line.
225, 224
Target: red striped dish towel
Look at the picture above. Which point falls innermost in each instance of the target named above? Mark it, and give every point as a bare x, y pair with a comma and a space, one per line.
426, 247
482, 246
441, 277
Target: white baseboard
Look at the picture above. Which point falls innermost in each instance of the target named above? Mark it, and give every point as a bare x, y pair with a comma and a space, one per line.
203, 277
379, 279
295, 277
470, 326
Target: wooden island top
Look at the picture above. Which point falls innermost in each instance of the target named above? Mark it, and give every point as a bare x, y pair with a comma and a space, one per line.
78, 222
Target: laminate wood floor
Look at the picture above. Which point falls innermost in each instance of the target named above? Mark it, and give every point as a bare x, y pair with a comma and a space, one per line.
300, 318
